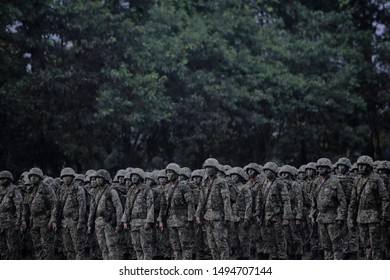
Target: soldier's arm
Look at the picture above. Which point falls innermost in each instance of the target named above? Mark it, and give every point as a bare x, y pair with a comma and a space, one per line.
150, 207
299, 197
248, 204
52, 197
82, 200
226, 201
259, 203
199, 210
18, 202
384, 197
163, 206
342, 207
313, 207
287, 213
126, 212
117, 205
352, 204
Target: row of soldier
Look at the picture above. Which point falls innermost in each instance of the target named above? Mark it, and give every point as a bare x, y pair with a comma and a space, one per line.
220, 212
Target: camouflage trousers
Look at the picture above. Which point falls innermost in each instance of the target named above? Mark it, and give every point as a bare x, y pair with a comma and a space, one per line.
42, 238
256, 239
314, 237
142, 242
200, 242
9, 243
275, 243
294, 239
107, 239
72, 239
349, 240
243, 246
386, 241
217, 239
181, 239
331, 240
91, 246
371, 238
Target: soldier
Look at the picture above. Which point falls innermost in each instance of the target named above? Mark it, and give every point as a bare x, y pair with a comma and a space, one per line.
40, 205
384, 173
177, 213
71, 215
105, 215
328, 209
350, 238
293, 229
302, 174
313, 234
215, 209
120, 186
11, 202
273, 211
369, 208
200, 233
242, 213
139, 215
255, 182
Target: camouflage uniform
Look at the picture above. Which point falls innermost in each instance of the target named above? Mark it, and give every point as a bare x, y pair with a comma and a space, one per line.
214, 207
293, 230
369, 207
330, 208
177, 212
40, 205
10, 217
242, 214
272, 206
71, 213
384, 171
139, 211
106, 212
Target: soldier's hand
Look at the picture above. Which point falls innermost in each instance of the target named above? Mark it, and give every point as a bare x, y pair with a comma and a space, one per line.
161, 225
23, 226
340, 222
198, 221
89, 230
285, 222
53, 225
125, 226
80, 226
147, 226
313, 221
258, 221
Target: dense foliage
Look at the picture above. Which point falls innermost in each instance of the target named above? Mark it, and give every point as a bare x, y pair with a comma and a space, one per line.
113, 84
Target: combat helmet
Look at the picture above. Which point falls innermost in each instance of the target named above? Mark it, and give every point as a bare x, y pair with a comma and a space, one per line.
185, 171
311, 165
212, 162
139, 172
102, 173
80, 177
272, 166
36, 171
344, 161
67, 171
173, 167
162, 174
5, 174
197, 173
324, 162
240, 172
367, 160
302, 169
253, 166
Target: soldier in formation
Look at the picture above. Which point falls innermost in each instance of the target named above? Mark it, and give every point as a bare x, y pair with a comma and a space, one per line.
322, 209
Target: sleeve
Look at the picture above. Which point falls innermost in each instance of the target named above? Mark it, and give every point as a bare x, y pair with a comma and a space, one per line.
126, 211
224, 188
199, 210
18, 202
287, 213
248, 203
384, 197
163, 207
117, 205
299, 197
150, 207
189, 199
342, 207
82, 200
352, 208
313, 206
52, 197
259, 203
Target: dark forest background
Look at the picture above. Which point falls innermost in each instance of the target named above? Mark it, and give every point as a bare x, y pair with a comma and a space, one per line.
113, 84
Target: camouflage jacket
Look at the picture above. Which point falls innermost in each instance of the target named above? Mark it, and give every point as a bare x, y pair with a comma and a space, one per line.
139, 207
296, 199
254, 186
273, 203
40, 202
243, 210
369, 200
177, 205
106, 207
214, 203
72, 205
328, 201
346, 182
11, 204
